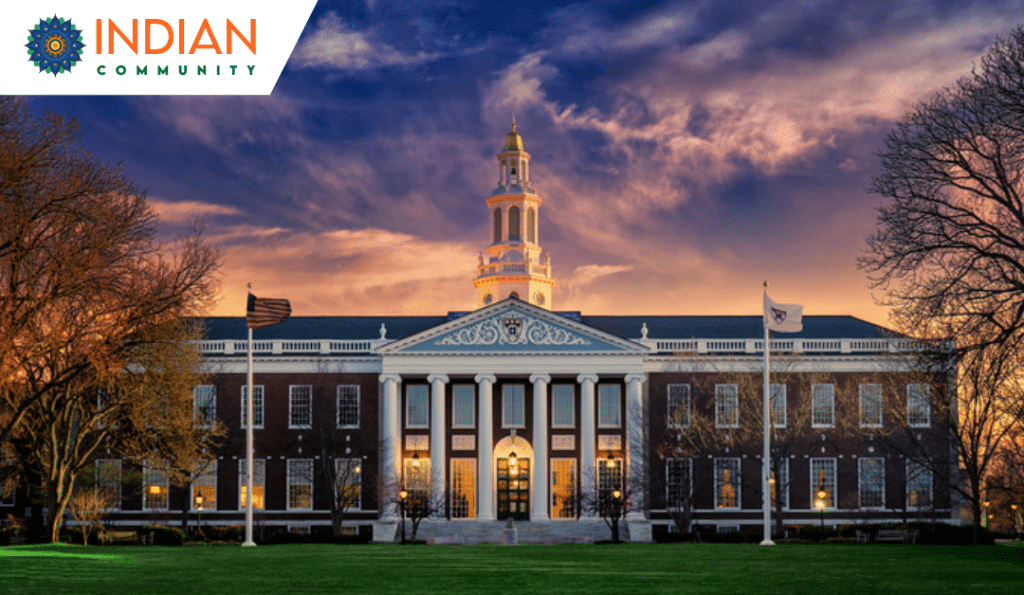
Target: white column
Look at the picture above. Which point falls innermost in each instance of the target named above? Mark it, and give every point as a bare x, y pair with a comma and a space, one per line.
540, 447
588, 433
635, 432
438, 439
391, 439
485, 448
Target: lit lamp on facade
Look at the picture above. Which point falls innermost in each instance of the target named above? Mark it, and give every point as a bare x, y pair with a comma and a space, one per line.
402, 495
819, 502
617, 495
415, 459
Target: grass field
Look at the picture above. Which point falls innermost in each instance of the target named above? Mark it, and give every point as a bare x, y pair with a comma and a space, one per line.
624, 569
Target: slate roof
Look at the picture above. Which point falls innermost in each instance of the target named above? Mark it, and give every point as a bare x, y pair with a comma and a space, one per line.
628, 327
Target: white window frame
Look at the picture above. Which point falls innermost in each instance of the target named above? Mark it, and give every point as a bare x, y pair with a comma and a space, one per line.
609, 475
919, 399
419, 392
733, 464
152, 472
204, 413
206, 479
295, 475
259, 472
102, 480
357, 474
864, 484
672, 486
919, 473
506, 392
561, 389
723, 401
609, 400
822, 394
470, 466
257, 406
678, 407
778, 392
294, 395
831, 485
460, 391
346, 391
866, 391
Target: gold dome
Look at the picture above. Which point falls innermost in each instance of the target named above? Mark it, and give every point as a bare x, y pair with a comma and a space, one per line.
513, 142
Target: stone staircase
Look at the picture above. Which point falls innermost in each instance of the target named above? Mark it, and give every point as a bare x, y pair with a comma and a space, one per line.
455, 532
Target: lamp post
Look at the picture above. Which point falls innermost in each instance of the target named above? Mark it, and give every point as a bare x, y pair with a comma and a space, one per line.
819, 503
402, 495
199, 514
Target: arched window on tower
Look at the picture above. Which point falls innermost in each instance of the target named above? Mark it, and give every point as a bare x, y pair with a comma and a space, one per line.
497, 225
531, 226
513, 224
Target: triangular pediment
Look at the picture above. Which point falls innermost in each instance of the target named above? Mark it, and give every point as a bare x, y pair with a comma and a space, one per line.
512, 326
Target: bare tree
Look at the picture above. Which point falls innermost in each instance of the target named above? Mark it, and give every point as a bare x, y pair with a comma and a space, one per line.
413, 497
611, 494
89, 507
949, 251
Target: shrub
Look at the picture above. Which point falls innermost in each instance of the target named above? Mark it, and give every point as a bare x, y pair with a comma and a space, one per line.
163, 535
225, 533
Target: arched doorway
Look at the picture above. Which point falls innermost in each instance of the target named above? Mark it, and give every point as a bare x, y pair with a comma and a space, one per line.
514, 478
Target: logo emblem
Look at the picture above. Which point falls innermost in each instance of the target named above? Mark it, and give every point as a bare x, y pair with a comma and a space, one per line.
778, 315
54, 45
513, 327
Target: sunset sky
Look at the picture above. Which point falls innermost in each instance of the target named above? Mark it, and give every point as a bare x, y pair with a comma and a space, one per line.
684, 151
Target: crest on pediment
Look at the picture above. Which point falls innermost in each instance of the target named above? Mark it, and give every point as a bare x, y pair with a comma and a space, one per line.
512, 330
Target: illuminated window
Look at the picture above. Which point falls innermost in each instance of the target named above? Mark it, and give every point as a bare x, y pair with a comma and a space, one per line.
513, 406
154, 485
679, 405
609, 478
108, 482
563, 489
919, 486
257, 405
871, 405
300, 406
727, 483
727, 401
777, 406
918, 406
823, 478
204, 484
348, 475
609, 406
417, 480
300, 484
258, 467
417, 406
513, 224
823, 405
463, 488
463, 406
871, 481
348, 406
563, 406
204, 405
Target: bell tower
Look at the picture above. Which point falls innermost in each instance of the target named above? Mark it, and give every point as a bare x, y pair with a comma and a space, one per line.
511, 265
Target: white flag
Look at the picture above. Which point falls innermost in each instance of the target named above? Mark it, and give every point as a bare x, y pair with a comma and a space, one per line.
783, 318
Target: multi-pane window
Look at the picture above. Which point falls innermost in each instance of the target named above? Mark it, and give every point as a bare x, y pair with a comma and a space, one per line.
919, 485
463, 406
779, 484
823, 480
348, 406
417, 480
609, 406
463, 488
513, 406
727, 483
348, 481
871, 482
108, 482
777, 405
204, 485
871, 405
417, 406
258, 475
204, 405
678, 406
823, 405
609, 478
563, 488
678, 483
300, 484
563, 406
300, 406
257, 405
154, 485
918, 407
727, 403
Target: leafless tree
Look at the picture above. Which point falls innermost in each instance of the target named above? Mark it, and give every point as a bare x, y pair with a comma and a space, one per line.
413, 497
949, 250
89, 507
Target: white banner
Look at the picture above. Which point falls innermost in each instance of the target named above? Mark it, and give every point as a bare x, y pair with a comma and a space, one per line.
122, 47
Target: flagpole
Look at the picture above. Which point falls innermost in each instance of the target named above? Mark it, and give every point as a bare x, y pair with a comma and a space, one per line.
766, 469
248, 453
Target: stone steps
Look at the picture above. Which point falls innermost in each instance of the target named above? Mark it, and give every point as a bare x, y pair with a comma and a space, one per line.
452, 532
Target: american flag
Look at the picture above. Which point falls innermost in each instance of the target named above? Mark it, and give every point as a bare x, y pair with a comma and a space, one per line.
261, 312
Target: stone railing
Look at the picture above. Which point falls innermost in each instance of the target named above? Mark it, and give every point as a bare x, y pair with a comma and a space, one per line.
682, 346
291, 347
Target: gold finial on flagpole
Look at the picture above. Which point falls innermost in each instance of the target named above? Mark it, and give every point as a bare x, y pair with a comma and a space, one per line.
766, 284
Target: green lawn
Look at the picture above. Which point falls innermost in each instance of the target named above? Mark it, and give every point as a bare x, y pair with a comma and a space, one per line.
522, 569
